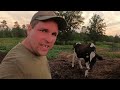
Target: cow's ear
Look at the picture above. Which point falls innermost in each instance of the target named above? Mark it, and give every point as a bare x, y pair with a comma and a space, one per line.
92, 45
89, 44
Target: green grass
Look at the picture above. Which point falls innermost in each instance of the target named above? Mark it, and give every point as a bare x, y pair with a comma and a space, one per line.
107, 52
8, 43
57, 49
103, 49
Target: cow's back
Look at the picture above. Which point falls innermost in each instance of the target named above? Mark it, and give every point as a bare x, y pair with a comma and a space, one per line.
82, 50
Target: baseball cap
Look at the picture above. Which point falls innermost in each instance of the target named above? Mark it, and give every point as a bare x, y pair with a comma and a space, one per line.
46, 15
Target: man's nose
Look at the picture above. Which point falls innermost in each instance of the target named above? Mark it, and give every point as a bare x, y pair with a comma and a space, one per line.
49, 38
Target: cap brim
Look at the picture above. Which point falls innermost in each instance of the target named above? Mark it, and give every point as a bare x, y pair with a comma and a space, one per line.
60, 21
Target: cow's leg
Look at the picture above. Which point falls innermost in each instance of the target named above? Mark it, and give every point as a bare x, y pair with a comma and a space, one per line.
79, 61
88, 67
73, 59
92, 59
86, 73
92, 63
92, 55
88, 64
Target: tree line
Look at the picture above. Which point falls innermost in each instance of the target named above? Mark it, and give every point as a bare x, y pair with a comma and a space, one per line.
16, 31
94, 31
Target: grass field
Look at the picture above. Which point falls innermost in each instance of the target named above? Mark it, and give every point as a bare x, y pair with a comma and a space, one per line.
7, 43
57, 49
102, 48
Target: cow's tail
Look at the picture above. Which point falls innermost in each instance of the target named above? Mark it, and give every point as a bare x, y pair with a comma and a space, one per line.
99, 57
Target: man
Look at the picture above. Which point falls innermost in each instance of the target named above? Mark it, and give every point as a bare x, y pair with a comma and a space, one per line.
27, 60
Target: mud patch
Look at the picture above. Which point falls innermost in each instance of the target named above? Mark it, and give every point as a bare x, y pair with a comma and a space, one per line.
61, 68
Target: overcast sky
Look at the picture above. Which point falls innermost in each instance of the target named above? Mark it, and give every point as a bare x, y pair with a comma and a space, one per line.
112, 18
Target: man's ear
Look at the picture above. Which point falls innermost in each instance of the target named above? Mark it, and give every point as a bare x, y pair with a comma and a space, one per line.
29, 28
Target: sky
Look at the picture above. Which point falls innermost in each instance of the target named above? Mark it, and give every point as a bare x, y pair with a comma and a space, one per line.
112, 19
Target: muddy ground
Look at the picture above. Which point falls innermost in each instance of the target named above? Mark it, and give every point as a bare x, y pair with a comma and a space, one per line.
106, 69
61, 68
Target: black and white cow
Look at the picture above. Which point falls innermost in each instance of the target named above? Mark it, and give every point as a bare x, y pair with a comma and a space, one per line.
86, 52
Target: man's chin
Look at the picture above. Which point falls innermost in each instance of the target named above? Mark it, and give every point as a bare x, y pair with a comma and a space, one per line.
43, 54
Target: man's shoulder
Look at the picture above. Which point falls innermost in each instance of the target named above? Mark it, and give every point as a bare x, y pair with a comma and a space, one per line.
17, 53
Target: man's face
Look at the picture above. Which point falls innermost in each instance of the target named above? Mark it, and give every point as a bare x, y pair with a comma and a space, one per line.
42, 37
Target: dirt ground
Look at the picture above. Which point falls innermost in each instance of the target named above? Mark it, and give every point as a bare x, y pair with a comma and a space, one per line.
61, 68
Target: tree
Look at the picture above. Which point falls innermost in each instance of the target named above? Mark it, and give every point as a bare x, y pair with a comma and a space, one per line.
73, 19
96, 29
17, 31
4, 30
116, 39
84, 35
4, 26
24, 30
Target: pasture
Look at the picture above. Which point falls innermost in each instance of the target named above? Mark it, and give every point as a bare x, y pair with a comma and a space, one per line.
61, 55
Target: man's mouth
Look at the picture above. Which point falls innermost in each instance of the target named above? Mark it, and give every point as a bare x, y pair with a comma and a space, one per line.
44, 46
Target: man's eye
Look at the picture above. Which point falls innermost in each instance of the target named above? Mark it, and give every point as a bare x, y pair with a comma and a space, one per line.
43, 30
55, 34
